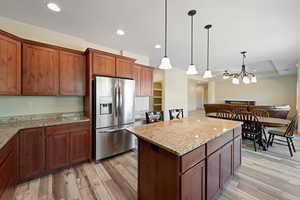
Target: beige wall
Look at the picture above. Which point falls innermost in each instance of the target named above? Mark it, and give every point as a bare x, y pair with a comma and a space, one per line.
175, 91
267, 91
35, 105
196, 95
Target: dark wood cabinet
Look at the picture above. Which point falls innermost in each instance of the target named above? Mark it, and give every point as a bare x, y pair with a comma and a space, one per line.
237, 153
214, 174
32, 153
72, 74
9, 165
57, 142
146, 81
40, 70
67, 144
136, 75
80, 145
103, 64
10, 66
226, 162
193, 183
124, 68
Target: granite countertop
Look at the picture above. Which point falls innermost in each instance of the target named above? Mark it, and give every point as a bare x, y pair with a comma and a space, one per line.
182, 136
9, 130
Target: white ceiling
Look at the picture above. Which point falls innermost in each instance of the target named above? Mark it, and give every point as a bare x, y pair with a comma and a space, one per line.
268, 29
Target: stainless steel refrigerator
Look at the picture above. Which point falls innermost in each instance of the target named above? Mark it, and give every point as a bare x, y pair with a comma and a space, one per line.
113, 112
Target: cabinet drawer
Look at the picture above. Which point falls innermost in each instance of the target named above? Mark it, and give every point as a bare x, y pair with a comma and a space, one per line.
219, 142
192, 158
66, 128
237, 132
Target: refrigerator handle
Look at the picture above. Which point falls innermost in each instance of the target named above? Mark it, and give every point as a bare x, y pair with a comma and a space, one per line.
116, 100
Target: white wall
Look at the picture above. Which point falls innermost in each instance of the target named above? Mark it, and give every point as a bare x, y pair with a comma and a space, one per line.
175, 91
211, 91
195, 95
267, 91
34, 105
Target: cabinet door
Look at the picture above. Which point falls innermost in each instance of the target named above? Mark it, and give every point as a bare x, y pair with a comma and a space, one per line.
237, 159
146, 81
10, 66
213, 174
72, 74
32, 152
80, 145
226, 162
57, 149
40, 71
193, 183
136, 75
124, 68
104, 65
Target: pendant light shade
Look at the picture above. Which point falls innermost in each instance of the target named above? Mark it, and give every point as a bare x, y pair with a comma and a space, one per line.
235, 81
192, 70
165, 61
253, 79
207, 73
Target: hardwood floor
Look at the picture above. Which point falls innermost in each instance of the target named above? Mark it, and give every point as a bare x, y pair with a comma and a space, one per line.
263, 175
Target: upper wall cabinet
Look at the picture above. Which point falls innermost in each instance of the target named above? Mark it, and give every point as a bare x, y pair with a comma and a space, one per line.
146, 81
103, 64
40, 70
124, 68
10, 66
136, 75
72, 74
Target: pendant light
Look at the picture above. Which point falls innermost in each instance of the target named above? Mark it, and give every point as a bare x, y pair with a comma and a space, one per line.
165, 61
207, 73
192, 68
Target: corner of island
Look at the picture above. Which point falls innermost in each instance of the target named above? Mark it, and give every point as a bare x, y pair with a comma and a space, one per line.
191, 158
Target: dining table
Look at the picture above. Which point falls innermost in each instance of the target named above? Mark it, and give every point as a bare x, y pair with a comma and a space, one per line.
265, 122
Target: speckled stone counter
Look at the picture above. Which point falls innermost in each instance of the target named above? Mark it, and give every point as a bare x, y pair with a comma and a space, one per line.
182, 136
8, 130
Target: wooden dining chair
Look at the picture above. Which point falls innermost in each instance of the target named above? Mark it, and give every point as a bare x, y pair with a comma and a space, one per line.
251, 127
288, 134
225, 114
262, 113
152, 117
176, 114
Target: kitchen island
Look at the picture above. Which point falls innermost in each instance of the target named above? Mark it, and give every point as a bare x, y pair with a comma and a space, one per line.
191, 158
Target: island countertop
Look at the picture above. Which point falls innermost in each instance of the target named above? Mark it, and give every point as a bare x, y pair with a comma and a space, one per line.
182, 136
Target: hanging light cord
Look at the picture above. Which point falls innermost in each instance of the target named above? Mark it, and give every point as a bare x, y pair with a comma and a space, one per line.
207, 63
192, 40
166, 26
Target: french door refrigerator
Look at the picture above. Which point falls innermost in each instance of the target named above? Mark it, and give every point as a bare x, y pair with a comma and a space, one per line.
113, 108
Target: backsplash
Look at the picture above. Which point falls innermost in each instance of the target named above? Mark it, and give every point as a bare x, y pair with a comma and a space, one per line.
22, 118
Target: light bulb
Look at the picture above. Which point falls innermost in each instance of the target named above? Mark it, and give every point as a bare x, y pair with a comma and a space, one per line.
246, 80
165, 63
253, 79
207, 74
192, 70
54, 7
235, 81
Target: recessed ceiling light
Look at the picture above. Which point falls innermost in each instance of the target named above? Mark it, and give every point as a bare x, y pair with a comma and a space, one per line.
157, 46
120, 32
54, 7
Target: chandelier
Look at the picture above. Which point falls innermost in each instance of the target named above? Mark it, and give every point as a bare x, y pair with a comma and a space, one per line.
245, 76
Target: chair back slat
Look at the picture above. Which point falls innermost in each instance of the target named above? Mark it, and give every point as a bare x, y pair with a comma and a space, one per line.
176, 114
292, 127
152, 117
225, 114
260, 113
250, 122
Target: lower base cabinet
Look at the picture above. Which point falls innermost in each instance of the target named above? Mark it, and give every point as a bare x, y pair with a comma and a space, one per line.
193, 183
8, 165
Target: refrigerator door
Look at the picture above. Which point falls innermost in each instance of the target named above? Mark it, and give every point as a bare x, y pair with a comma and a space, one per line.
126, 99
113, 142
105, 102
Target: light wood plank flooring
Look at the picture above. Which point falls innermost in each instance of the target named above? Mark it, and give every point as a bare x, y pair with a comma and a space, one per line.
263, 175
